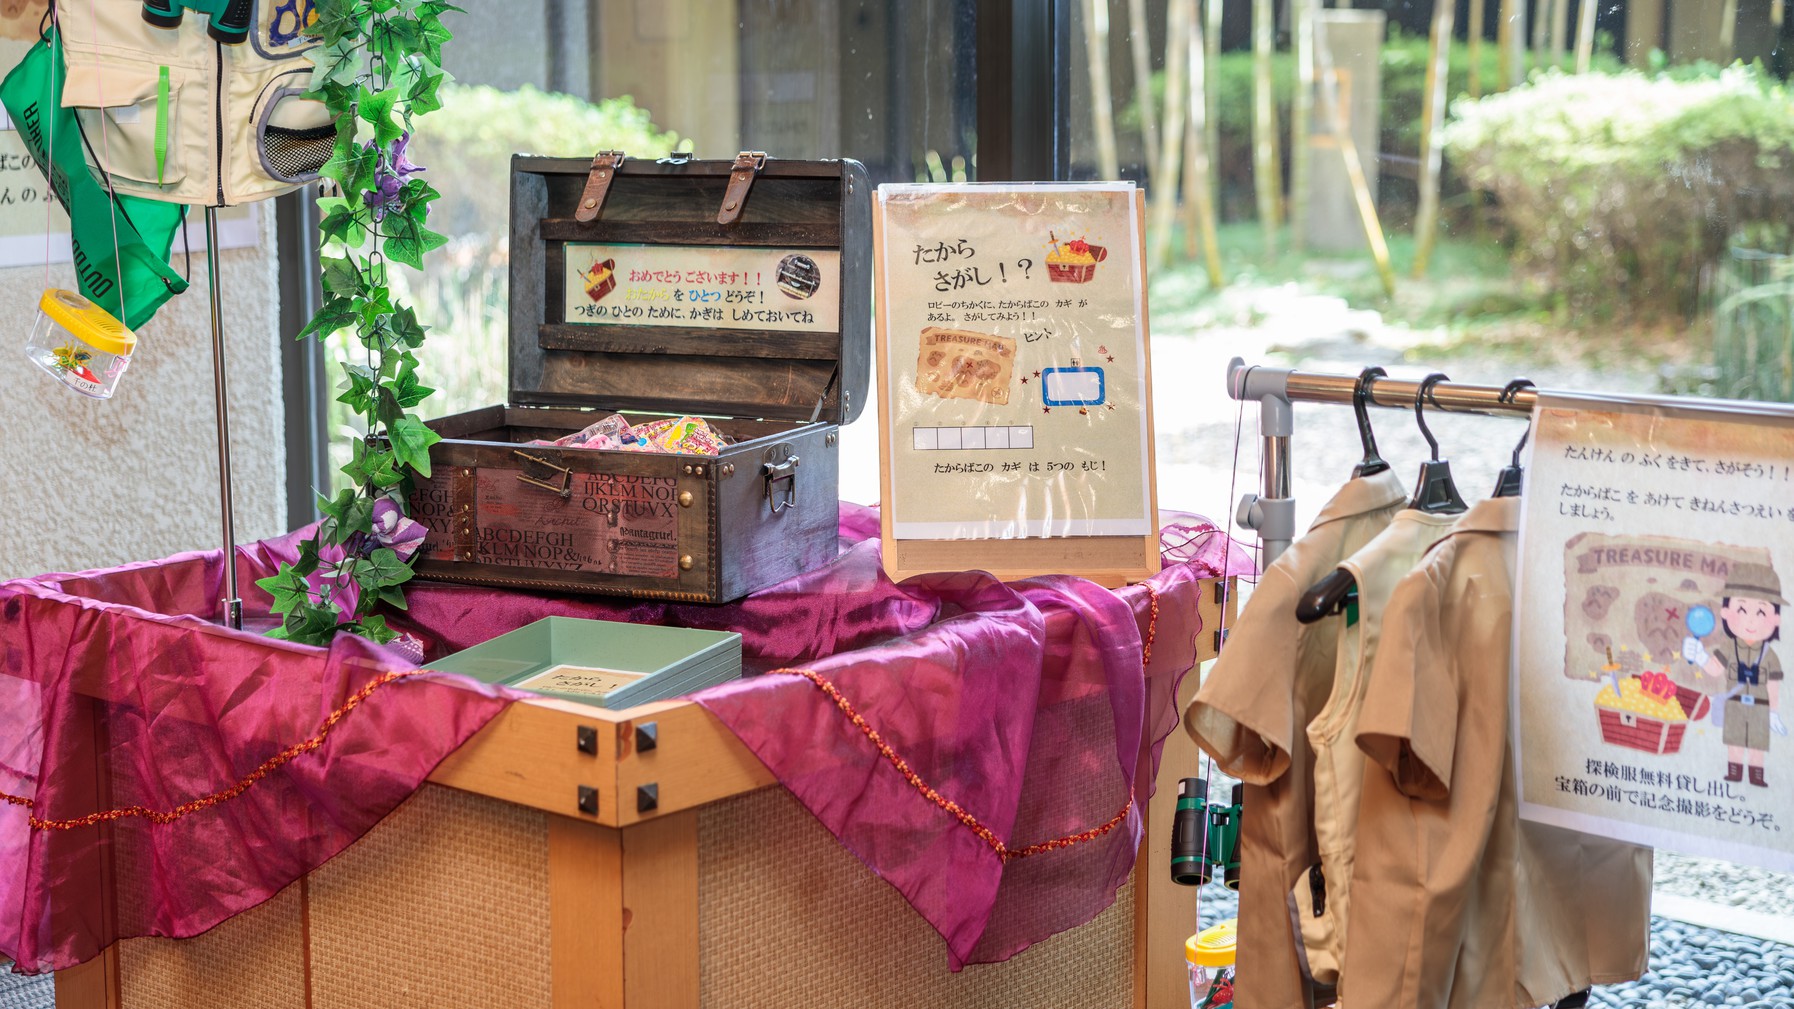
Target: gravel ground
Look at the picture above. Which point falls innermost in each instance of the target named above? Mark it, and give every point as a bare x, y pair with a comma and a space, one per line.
1724, 883
19, 992
1704, 967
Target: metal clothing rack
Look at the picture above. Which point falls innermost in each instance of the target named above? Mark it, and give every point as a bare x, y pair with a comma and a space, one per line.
1272, 512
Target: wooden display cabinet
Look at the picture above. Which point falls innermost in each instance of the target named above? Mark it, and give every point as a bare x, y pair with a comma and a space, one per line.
568, 856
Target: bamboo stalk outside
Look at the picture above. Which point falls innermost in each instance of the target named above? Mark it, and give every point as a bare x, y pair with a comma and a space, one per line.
1301, 122
1211, 90
1139, 39
1335, 117
1473, 33
1266, 178
1102, 105
1171, 136
1585, 37
1198, 164
1432, 124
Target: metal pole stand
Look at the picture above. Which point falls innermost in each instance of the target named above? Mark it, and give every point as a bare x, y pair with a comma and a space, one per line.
1271, 514
231, 605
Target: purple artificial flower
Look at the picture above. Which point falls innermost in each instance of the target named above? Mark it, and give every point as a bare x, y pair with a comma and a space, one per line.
408, 645
393, 529
390, 177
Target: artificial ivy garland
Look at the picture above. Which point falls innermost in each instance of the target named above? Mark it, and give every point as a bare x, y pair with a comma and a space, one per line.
378, 68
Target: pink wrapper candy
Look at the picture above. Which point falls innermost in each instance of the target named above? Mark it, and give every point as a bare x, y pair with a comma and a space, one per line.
681, 435
611, 432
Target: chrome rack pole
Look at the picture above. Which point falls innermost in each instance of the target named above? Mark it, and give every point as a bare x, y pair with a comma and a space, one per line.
1272, 513
232, 604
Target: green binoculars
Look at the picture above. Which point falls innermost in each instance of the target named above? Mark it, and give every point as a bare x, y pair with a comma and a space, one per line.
226, 20
1205, 836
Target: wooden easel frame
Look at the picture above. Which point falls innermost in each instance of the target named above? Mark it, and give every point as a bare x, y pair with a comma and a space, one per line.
1107, 560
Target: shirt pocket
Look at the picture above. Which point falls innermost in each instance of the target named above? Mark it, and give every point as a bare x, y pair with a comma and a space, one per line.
129, 116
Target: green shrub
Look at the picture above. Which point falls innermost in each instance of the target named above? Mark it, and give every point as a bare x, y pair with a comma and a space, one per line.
1621, 188
1403, 62
467, 145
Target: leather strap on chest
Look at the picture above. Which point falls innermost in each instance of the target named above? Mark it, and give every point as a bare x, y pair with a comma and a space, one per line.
741, 179
604, 170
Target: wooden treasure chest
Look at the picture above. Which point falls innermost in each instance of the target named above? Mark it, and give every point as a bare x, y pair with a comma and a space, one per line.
734, 292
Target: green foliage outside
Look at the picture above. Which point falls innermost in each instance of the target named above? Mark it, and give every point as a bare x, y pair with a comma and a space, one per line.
1403, 60
469, 145
1620, 189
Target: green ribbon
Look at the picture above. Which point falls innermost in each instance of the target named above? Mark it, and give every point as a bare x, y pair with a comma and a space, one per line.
161, 124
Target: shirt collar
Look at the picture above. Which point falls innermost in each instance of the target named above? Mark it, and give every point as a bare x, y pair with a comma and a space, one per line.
1491, 515
1362, 495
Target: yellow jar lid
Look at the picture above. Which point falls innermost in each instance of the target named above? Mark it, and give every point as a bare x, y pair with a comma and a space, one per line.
1214, 946
90, 323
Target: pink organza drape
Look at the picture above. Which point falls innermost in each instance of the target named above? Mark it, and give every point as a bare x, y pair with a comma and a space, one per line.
1024, 703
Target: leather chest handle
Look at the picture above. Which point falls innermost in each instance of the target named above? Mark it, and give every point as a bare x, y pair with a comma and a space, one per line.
604, 170
741, 179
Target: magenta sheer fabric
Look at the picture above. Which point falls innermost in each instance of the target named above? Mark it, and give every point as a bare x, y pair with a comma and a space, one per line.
1023, 702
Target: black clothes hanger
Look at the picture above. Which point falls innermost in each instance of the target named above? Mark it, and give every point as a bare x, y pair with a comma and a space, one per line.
1332, 594
1373, 463
1435, 493
1512, 477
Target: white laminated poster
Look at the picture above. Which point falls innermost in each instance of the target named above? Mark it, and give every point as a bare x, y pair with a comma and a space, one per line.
1014, 365
1656, 565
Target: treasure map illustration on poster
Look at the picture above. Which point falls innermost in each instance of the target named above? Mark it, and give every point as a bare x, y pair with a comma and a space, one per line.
1657, 558
1014, 359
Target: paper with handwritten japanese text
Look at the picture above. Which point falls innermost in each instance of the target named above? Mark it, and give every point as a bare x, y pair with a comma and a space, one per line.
702, 286
1015, 361
1657, 559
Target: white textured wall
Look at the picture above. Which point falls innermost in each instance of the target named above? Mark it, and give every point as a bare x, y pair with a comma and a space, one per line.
86, 483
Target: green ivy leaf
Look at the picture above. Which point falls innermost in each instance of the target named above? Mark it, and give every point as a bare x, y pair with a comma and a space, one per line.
406, 327
342, 224
411, 442
408, 241
406, 390
375, 108
374, 627
357, 518
311, 624
352, 167
373, 466
287, 587
333, 315
333, 509
394, 596
424, 96
342, 277
380, 569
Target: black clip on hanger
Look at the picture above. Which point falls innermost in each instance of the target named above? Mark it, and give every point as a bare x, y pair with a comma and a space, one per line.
1331, 595
1435, 493
1512, 477
1373, 463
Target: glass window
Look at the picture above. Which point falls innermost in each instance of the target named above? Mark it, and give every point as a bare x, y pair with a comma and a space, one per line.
891, 84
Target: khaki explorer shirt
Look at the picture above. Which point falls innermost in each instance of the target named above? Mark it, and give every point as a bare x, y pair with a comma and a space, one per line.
1252, 714
1456, 902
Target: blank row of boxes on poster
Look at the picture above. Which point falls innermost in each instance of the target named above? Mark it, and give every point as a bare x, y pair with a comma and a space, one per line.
929, 439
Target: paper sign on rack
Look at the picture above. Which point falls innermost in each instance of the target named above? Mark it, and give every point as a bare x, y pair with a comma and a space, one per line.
1657, 561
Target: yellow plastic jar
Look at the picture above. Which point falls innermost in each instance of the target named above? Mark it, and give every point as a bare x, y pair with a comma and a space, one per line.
80, 343
1210, 954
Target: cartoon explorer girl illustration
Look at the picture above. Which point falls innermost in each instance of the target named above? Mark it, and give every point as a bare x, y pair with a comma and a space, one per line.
1751, 613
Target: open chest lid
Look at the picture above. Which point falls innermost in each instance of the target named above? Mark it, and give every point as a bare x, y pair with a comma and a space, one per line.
735, 288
